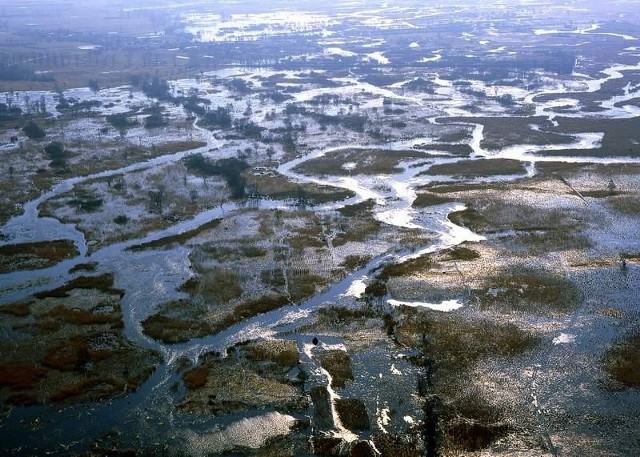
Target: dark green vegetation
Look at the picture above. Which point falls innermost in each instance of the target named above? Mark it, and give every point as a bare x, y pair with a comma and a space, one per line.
33, 131
500, 132
357, 223
181, 321
426, 199
181, 238
278, 187
619, 136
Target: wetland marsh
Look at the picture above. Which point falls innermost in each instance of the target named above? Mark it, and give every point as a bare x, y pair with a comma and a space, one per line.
357, 229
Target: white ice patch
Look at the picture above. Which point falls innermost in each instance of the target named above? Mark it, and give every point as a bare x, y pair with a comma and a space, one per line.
252, 433
394, 370
564, 338
357, 288
414, 45
339, 52
436, 56
409, 420
378, 57
349, 166
445, 306
584, 31
383, 418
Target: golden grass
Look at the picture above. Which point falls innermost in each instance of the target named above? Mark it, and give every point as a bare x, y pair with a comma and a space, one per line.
284, 353
455, 343
407, 268
103, 283
40, 254
338, 364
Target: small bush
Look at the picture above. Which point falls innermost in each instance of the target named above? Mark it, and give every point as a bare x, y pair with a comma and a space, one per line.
33, 131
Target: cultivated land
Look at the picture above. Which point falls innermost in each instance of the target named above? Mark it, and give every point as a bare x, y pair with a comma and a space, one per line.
395, 230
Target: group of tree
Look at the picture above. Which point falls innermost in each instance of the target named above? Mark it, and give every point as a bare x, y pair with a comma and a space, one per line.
230, 169
9, 113
56, 152
156, 118
121, 121
33, 131
156, 88
219, 117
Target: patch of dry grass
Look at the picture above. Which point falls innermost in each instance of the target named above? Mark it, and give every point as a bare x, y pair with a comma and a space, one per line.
455, 343
234, 384
369, 162
426, 199
41, 254
410, 267
470, 169
531, 291
338, 364
626, 204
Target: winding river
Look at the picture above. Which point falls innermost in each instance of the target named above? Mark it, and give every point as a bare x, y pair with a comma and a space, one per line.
148, 276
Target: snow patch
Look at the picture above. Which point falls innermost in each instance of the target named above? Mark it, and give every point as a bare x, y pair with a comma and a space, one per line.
409, 420
445, 306
339, 52
564, 338
357, 288
252, 433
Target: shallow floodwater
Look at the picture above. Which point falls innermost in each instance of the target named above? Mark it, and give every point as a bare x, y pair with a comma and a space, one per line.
149, 415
